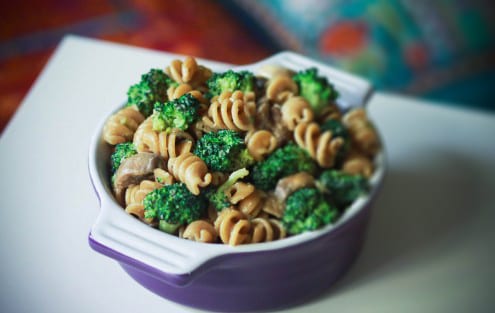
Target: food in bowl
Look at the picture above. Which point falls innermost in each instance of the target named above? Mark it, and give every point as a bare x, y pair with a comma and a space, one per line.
237, 157
220, 277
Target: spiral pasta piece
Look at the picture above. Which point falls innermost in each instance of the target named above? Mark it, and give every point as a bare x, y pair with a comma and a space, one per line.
233, 227
280, 88
296, 110
191, 170
260, 143
134, 197
163, 177
121, 126
231, 110
264, 230
174, 92
361, 131
188, 71
246, 198
200, 231
358, 164
321, 146
166, 144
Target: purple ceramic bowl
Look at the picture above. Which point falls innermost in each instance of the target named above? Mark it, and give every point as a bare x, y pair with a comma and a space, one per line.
219, 277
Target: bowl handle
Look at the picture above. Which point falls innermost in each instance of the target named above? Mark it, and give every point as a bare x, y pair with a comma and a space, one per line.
128, 240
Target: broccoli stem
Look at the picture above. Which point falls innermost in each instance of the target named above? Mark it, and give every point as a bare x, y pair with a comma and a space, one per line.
168, 227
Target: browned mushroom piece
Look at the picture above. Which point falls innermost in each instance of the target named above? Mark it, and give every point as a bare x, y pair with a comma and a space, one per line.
133, 170
269, 117
287, 185
273, 206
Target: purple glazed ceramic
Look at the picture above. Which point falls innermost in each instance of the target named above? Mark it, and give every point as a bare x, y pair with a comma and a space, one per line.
218, 277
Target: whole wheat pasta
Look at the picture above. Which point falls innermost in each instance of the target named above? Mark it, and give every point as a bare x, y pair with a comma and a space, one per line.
357, 163
121, 126
321, 146
188, 71
362, 132
200, 231
163, 177
231, 110
264, 230
134, 197
246, 198
166, 144
175, 92
260, 143
233, 227
296, 110
191, 170
280, 88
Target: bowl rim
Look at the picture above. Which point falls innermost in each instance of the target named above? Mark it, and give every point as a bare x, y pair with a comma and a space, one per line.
119, 232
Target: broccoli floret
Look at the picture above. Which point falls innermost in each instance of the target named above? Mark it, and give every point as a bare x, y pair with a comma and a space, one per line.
343, 188
315, 89
217, 196
306, 209
284, 161
152, 88
173, 205
122, 151
223, 151
178, 113
338, 130
230, 81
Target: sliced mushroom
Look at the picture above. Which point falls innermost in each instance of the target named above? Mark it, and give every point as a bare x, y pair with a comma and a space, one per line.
273, 206
133, 170
287, 185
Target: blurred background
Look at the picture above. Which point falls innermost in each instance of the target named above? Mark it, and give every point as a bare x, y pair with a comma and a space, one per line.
440, 50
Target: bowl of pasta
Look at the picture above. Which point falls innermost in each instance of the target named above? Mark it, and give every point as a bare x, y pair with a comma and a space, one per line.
237, 188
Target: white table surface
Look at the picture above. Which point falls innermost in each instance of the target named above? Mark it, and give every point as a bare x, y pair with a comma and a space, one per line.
431, 238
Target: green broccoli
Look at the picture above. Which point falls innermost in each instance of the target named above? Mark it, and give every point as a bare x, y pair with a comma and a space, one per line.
315, 89
152, 88
231, 81
343, 188
284, 161
338, 130
178, 113
306, 209
223, 151
173, 205
121, 152
217, 196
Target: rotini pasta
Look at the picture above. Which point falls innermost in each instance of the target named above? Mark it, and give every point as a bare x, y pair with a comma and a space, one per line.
166, 144
266, 130
163, 177
233, 227
280, 88
231, 110
121, 126
201, 231
362, 131
358, 164
175, 92
190, 170
245, 198
296, 110
134, 197
188, 71
321, 146
260, 143
264, 230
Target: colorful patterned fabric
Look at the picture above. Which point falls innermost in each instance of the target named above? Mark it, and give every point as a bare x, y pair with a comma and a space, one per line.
444, 49
32, 29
